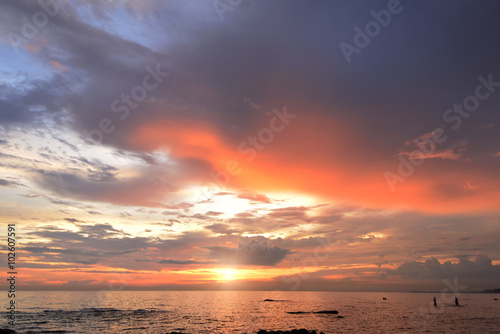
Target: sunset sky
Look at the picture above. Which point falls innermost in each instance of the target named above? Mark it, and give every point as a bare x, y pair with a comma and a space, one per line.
254, 145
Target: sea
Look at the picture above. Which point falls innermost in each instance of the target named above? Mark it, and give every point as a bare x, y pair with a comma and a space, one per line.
250, 311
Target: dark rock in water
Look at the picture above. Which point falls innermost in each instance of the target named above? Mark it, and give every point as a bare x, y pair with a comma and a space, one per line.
495, 298
317, 312
340, 317
327, 312
274, 300
298, 312
383, 298
7, 331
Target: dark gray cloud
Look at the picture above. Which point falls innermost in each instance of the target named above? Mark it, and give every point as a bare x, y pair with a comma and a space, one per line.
180, 262
251, 253
208, 54
221, 228
9, 183
299, 213
76, 255
91, 244
101, 187
213, 213
480, 267
72, 220
102, 230
196, 216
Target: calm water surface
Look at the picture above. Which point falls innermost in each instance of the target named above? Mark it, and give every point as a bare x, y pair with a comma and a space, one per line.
247, 312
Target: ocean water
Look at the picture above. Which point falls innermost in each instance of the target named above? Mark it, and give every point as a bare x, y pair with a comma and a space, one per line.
247, 312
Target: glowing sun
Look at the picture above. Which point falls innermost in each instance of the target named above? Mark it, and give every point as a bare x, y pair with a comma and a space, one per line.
228, 274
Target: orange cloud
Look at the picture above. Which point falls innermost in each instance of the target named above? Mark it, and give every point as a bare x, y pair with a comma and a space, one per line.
32, 48
57, 66
455, 152
318, 156
35, 47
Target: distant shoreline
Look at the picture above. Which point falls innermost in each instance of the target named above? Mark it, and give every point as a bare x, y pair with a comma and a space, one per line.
491, 291
484, 291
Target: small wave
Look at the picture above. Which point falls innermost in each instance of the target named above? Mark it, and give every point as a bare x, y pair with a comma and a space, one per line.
48, 332
99, 309
315, 312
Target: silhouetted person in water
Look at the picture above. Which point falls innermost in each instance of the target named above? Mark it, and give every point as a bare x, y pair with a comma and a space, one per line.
456, 301
435, 301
